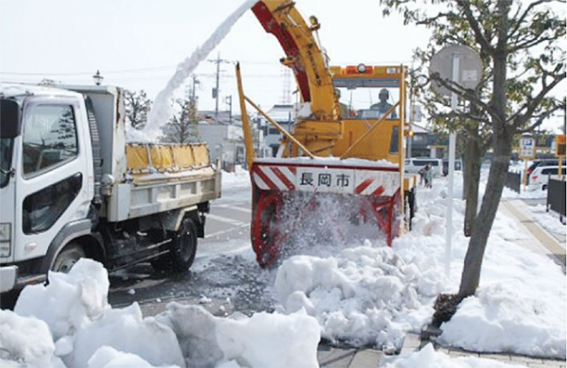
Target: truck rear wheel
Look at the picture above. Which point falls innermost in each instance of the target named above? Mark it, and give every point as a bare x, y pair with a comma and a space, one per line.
183, 250
65, 260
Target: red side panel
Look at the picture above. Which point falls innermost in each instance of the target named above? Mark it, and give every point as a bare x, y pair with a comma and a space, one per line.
288, 44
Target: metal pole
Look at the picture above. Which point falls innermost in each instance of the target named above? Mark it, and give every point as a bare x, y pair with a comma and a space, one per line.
217, 89
452, 143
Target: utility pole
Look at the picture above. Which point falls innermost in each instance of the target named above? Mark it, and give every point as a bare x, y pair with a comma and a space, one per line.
193, 96
216, 91
228, 100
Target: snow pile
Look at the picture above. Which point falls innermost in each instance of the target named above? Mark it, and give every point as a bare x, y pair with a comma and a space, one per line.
521, 302
372, 295
263, 340
364, 295
75, 308
70, 301
428, 357
69, 323
239, 177
26, 340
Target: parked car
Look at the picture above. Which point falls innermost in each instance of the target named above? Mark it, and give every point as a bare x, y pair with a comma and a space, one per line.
543, 162
458, 166
413, 165
540, 175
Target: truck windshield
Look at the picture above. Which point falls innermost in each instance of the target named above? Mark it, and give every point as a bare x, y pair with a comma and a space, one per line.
6, 148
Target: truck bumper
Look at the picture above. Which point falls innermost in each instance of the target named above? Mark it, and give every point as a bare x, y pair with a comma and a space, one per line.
8, 277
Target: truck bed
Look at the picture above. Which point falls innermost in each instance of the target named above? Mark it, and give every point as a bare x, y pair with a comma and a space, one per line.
163, 177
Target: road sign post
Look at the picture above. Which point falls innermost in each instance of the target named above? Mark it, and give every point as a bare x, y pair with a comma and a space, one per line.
527, 152
461, 65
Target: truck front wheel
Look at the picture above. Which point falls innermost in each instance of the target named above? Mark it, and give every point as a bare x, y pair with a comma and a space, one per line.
67, 258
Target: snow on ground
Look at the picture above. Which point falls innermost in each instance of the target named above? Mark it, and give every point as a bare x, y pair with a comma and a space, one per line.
367, 294
238, 178
549, 220
70, 323
428, 357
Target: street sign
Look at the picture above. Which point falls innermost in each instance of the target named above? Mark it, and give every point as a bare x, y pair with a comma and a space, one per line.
461, 65
470, 67
527, 148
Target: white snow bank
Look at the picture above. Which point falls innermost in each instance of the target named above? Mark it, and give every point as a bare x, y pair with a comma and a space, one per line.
373, 295
88, 332
26, 342
512, 316
107, 357
76, 309
364, 295
520, 304
259, 341
70, 301
428, 357
239, 177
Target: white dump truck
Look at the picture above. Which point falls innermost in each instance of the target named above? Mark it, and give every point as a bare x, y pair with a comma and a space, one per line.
72, 187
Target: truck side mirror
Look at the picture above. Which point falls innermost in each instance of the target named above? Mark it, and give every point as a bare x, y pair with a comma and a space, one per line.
9, 119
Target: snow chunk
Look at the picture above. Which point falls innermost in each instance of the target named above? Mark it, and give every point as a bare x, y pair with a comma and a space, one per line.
107, 357
125, 330
262, 340
70, 300
26, 340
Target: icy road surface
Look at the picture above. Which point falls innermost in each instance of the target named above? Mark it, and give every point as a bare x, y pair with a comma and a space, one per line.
225, 276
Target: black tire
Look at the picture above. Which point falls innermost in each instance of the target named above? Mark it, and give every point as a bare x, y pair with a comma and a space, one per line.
183, 249
65, 260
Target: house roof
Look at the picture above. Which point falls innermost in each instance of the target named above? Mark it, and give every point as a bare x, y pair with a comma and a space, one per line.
282, 113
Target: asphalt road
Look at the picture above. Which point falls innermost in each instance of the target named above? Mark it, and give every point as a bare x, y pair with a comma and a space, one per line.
219, 283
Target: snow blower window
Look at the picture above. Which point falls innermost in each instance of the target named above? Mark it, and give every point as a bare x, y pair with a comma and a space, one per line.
362, 102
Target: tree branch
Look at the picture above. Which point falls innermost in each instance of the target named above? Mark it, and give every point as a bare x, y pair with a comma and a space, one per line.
467, 94
533, 104
533, 41
540, 119
525, 14
479, 36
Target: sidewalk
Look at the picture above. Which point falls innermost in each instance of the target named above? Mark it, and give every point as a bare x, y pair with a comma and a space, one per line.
537, 240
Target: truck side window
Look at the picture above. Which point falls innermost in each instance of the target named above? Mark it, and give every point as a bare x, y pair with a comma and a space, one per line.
41, 209
50, 137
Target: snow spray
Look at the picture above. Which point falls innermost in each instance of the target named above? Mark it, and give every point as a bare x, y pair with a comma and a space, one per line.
162, 110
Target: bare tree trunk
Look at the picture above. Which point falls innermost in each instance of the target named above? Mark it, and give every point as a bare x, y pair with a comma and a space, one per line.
473, 155
483, 224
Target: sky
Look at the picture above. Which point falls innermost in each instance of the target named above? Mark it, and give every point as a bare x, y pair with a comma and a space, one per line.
367, 293
137, 44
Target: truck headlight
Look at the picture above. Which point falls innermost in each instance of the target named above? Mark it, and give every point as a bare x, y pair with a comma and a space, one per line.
5, 239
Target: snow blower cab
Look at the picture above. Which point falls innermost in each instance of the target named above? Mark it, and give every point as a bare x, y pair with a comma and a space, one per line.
339, 173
